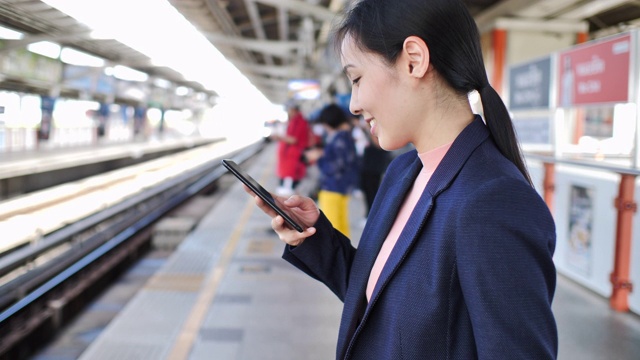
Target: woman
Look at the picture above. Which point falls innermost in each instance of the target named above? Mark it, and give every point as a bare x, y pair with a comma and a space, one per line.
337, 162
455, 261
291, 147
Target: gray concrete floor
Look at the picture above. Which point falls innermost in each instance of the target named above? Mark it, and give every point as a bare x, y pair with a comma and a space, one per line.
588, 329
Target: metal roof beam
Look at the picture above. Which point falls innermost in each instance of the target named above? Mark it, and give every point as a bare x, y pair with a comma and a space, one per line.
283, 23
30, 39
271, 47
276, 71
271, 83
487, 18
225, 22
302, 8
256, 22
545, 8
591, 8
554, 26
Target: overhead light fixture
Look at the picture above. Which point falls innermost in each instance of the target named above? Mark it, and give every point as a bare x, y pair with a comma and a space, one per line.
182, 91
135, 93
161, 83
126, 73
10, 34
45, 48
75, 57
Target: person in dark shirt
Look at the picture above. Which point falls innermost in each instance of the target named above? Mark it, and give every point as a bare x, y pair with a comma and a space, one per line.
374, 164
337, 162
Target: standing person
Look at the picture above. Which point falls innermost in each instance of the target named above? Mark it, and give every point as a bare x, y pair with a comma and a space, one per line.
374, 164
338, 167
455, 261
359, 131
291, 165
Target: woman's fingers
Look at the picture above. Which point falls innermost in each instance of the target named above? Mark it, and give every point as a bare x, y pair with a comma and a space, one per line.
288, 235
261, 204
247, 190
264, 207
301, 202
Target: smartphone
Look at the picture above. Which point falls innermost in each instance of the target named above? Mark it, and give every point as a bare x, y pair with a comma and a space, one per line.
236, 170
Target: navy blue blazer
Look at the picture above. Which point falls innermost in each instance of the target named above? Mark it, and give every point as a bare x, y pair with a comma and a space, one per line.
471, 276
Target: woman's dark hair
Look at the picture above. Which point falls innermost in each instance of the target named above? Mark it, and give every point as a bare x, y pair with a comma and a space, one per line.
333, 116
381, 26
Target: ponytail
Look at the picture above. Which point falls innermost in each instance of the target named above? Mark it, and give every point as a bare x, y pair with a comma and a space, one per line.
501, 128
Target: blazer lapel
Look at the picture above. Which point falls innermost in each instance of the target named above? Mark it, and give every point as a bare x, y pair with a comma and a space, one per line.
375, 232
379, 225
407, 237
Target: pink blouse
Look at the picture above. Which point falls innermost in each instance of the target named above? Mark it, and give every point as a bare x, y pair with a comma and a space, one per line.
430, 161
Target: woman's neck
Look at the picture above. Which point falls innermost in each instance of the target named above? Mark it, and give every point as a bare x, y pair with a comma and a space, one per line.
444, 123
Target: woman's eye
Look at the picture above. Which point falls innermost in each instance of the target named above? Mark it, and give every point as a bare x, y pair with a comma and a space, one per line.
355, 81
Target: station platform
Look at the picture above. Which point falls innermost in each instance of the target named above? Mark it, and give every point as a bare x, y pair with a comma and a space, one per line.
225, 293
31, 170
36, 161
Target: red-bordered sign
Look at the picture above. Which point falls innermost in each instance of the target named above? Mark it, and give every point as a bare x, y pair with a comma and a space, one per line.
595, 73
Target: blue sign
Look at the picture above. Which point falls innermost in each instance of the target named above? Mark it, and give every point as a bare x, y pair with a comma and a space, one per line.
88, 79
530, 85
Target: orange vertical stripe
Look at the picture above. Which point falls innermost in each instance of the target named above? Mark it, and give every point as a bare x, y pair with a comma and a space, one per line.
620, 280
549, 184
499, 58
581, 37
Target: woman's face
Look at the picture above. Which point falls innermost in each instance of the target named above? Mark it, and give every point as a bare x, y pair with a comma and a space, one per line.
380, 94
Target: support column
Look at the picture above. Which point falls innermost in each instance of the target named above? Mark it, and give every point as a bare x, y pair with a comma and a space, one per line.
619, 278
47, 104
582, 37
549, 184
499, 58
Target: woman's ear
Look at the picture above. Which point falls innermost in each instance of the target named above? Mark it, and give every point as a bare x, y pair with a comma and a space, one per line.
416, 54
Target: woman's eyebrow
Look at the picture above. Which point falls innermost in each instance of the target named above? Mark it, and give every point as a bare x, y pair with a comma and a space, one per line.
346, 68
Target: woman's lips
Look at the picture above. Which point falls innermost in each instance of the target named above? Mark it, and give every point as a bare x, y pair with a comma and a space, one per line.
372, 125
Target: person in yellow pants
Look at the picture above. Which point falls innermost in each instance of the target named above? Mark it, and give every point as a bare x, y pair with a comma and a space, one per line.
337, 162
336, 208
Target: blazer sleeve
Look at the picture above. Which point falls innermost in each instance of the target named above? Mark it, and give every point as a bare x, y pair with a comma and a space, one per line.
326, 256
504, 260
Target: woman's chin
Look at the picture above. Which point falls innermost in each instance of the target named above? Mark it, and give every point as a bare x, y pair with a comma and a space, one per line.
389, 145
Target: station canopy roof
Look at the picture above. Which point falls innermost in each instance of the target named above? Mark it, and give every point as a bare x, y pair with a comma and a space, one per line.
269, 41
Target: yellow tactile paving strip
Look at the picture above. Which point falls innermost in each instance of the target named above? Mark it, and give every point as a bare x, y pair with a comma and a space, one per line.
188, 334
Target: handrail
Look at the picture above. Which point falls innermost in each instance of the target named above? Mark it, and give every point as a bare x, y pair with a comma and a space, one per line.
583, 163
625, 206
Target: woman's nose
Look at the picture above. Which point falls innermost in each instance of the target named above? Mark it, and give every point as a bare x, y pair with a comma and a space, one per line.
353, 106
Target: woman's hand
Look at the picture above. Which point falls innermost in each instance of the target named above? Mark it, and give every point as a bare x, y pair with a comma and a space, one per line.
312, 155
302, 209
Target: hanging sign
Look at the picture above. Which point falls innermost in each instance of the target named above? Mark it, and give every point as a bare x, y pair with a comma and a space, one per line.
595, 73
529, 85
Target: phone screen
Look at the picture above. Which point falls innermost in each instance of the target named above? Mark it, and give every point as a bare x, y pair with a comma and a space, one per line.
259, 190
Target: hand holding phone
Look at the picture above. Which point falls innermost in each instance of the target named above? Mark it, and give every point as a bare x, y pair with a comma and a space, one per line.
259, 190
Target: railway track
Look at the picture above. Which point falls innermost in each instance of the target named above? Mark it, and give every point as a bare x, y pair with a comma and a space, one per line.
44, 283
